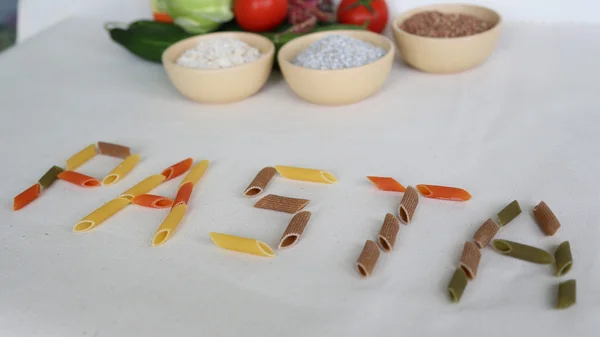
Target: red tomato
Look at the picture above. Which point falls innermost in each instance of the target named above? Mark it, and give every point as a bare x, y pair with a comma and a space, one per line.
260, 15
359, 12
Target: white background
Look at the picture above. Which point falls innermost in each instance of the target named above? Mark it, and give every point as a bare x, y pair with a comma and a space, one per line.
523, 126
36, 15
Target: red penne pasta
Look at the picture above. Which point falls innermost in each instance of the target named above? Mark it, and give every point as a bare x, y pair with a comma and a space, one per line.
178, 169
444, 192
387, 184
79, 179
152, 201
183, 193
26, 197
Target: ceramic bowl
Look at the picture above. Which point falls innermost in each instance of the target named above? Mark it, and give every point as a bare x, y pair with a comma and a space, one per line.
448, 55
224, 85
336, 87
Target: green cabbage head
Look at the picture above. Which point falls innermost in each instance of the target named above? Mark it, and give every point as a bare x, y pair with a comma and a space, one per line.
199, 16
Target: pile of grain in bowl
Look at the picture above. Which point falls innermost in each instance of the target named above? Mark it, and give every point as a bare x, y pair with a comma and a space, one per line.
338, 52
438, 24
218, 53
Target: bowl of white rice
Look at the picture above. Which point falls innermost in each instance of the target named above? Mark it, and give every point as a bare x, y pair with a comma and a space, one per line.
336, 67
219, 67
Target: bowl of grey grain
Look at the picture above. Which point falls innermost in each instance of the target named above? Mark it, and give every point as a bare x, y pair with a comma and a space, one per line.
447, 38
336, 67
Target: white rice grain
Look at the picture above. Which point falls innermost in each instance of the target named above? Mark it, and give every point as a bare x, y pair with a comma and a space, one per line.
218, 53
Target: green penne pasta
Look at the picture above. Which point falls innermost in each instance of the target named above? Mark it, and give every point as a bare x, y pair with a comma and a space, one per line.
457, 285
563, 258
509, 213
50, 176
567, 294
522, 252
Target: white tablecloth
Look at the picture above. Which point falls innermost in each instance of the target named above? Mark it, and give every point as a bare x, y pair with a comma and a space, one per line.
523, 126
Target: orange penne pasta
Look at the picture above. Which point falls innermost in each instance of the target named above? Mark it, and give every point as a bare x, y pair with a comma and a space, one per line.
152, 201
26, 197
387, 184
444, 192
183, 193
178, 169
79, 179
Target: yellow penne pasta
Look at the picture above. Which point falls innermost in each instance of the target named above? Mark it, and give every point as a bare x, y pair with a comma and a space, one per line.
121, 170
143, 186
240, 244
98, 216
81, 157
168, 226
304, 174
196, 172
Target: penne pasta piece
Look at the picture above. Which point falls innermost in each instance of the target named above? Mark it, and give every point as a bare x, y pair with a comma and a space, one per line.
408, 205
178, 169
26, 197
509, 212
114, 150
295, 229
469, 260
388, 232
241, 244
368, 259
457, 285
143, 186
282, 204
183, 193
305, 174
169, 225
567, 294
152, 201
81, 157
522, 252
98, 216
443, 192
563, 259
50, 176
196, 173
79, 179
260, 182
485, 233
546, 220
387, 184
121, 170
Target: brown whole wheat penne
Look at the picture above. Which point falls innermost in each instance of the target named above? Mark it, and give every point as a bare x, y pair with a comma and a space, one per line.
389, 231
485, 233
260, 182
546, 219
408, 205
295, 229
469, 260
282, 204
368, 258
114, 150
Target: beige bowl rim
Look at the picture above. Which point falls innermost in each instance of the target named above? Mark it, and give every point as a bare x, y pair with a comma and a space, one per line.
235, 35
408, 13
297, 40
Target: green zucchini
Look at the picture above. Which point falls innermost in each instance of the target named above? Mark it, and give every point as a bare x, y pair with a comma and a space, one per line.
147, 46
159, 28
149, 39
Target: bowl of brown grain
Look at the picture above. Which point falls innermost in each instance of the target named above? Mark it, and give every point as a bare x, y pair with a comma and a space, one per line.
447, 38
